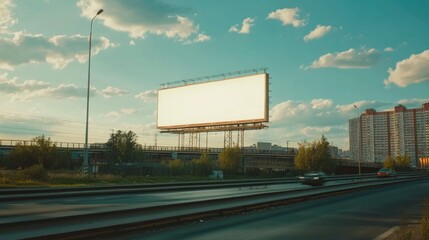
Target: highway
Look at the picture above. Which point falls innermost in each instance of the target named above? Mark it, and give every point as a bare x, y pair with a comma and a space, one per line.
358, 215
65, 211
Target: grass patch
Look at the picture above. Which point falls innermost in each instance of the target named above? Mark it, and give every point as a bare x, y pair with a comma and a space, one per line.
409, 231
36, 177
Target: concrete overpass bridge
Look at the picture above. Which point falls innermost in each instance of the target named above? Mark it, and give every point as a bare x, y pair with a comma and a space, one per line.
267, 160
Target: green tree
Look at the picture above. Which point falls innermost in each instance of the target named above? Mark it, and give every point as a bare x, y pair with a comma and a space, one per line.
230, 160
389, 162
202, 166
402, 163
314, 156
42, 152
122, 146
45, 150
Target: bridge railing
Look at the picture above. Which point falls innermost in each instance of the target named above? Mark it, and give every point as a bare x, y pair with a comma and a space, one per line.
102, 146
12, 143
354, 163
214, 150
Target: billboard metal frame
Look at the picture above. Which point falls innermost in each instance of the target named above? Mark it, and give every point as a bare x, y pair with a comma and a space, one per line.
215, 77
227, 127
218, 128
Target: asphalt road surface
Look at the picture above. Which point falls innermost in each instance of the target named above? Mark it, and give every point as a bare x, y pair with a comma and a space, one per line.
360, 215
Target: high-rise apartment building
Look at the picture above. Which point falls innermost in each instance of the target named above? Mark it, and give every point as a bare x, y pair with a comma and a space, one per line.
375, 135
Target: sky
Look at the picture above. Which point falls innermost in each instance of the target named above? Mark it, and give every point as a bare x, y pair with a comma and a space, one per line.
323, 57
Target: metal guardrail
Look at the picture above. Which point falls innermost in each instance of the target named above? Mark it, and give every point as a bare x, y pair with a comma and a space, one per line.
98, 224
20, 194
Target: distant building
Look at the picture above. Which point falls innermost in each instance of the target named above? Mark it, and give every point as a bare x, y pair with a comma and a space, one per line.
334, 151
376, 135
263, 146
346, 154
268, 146
277, 147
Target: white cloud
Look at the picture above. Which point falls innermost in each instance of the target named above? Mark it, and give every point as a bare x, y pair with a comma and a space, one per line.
128, 110
410, 71
319, 32
139, 18
6, 18
113, 114
30, 89
312, 131
124, 111
318, 112
199, 38
308, 120
287, 16
147, 96
112, 91
60, 92
321, 103
295, 114
360, 106
202, 38
415, 102
11, 86
288, 109
389, 49
58, 51
245, 27
66, 91
351, 58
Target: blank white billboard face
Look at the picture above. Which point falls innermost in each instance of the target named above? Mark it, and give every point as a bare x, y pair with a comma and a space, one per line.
230, 101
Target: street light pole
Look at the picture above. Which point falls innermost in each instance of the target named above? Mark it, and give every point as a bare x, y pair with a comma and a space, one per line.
287, 146
359, 137
86, 160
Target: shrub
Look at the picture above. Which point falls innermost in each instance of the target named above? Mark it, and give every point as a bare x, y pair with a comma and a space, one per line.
425, 220
404, 231
230, 160
175, 167
40, 151
35, 172
202, 166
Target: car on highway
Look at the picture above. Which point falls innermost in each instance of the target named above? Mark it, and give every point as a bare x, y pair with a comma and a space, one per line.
313, 178
386, 172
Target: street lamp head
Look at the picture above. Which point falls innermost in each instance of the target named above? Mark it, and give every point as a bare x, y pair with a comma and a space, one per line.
100, 11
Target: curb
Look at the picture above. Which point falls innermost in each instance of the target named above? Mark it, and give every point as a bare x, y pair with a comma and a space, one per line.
387, 234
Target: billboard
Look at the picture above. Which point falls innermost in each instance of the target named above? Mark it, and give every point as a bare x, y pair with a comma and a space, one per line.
231, 101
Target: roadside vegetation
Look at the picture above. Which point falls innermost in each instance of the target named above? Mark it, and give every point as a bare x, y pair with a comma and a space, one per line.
40, 163
413, 231
38, 177
124, 161
399, 163
314, 156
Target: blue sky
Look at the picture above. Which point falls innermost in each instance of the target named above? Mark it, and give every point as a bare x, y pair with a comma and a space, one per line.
323, 57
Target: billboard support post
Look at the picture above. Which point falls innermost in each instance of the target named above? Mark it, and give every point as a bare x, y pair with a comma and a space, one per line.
207, 140
242, 138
